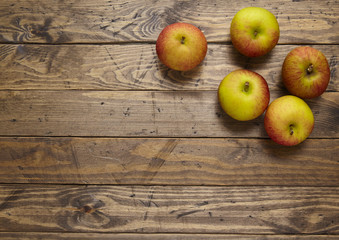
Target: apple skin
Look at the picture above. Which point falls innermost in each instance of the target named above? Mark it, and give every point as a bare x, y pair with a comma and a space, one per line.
243, 102
181, 46
288, 120
254, 31
306, 72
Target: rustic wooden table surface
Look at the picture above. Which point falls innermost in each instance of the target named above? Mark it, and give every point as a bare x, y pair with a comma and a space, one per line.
99, 140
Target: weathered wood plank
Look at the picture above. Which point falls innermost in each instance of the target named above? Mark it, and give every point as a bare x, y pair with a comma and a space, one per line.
247, 210
135, 67
119, 21
141, 113
145, 236
168, 161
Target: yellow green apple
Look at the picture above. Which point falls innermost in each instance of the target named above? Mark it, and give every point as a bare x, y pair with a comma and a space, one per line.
181, 46
288, 120
254, 31
243, 94
306, 72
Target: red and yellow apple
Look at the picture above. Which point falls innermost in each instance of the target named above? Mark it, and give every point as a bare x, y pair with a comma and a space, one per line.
181, 46
243, 94
306, 72
288, 120
254, 31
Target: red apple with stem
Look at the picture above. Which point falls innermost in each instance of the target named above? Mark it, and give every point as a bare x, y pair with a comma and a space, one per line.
244, 94
306, 72
181, 46
288, 120
254, 31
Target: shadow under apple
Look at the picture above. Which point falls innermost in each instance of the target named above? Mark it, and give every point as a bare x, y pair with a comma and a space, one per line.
252, 128
179, 79
260, 65
279, 152
254, 63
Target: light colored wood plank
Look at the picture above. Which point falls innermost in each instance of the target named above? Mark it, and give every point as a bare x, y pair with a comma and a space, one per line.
135, 67
145, 236
141, 113
168, 161
233, 210
121, 21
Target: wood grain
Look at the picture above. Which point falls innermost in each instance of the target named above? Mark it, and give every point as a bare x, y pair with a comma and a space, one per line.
124, 21
135, 67
247, 210
168, 161
99, 140
141, 113
145, 236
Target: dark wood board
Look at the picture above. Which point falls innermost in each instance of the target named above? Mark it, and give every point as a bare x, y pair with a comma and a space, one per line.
135, 67
141, 114
172, 209
105, 21
145, 161
145, 236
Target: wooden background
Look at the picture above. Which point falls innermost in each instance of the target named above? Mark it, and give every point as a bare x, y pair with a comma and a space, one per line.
99, 140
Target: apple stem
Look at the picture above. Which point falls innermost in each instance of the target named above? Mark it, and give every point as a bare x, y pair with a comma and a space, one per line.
247, 85
182, 40
310, 69
255, 33
291, 130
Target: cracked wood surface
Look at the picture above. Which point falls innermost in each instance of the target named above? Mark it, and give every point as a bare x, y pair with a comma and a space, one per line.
172, 161
135, 67
84, 100
141, 114
145, 236
107, 21
246, 210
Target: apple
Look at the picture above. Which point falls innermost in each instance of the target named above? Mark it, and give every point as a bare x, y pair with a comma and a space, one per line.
306, 72
288, 120
254, 31
243, 94
181, 46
